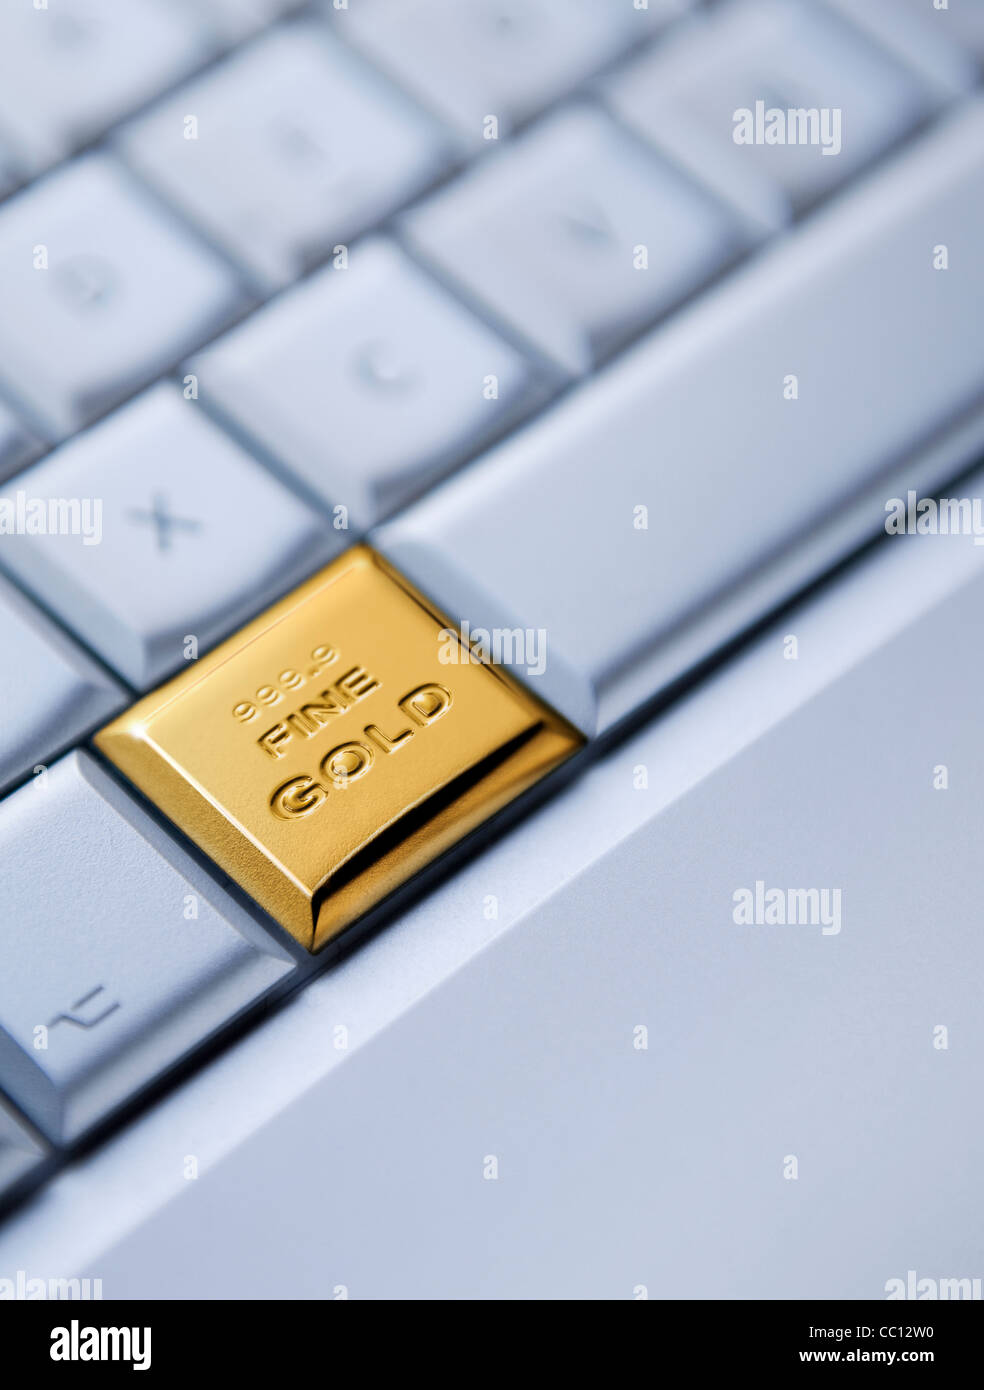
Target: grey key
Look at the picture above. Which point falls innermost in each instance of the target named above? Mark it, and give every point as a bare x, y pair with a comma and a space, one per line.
20, 1151
506, 59
575, 236
194, 537
119, 955
298, 147
51, 693
367, 383
759, 56
69, 70
926, 39
17, 445
749, 491
124, 293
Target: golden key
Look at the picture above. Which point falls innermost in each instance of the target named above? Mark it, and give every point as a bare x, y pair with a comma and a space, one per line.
335, 745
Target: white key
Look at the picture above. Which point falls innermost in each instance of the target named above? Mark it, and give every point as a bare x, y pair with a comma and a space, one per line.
19, 1150
101, 292
51, 693
196, 536
233, 20
367, 383
943, 45
761, 56
298, 146
746, 490
119, 955
575, 236
72, 68
470, 60
17, 446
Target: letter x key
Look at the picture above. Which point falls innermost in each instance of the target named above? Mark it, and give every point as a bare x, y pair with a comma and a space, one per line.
159, 517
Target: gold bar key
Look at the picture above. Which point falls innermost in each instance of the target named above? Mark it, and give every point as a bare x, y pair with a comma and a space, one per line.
336, 745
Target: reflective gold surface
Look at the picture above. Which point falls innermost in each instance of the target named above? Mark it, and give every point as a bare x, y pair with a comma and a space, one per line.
326, 752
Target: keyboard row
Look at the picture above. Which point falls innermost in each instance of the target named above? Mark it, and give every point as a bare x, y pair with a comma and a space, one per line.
565, 242
70, 72
888, 349
194, 534
770, 405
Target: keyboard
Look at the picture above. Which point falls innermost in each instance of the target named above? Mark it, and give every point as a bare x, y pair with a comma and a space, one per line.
404, 405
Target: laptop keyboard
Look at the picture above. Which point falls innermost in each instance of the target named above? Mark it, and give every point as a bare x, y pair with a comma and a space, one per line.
574, 237
51, 692
681, 95
266, 161
114, 297
379, 364
488, 66
134, 1000
743, 436
211, 534
271, 272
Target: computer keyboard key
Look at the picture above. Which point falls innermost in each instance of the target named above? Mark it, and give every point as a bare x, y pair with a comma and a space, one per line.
732, 456
485, 65
367, 383
233, 20
101, 292
849, 102
195, 536
51, 693
19, 1150
575, 236
335, 746
17, 445
119, 955
956, 26
70, 70
297, 147
928, 40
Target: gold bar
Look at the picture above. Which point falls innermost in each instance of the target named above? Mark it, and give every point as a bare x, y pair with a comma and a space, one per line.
335, 745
